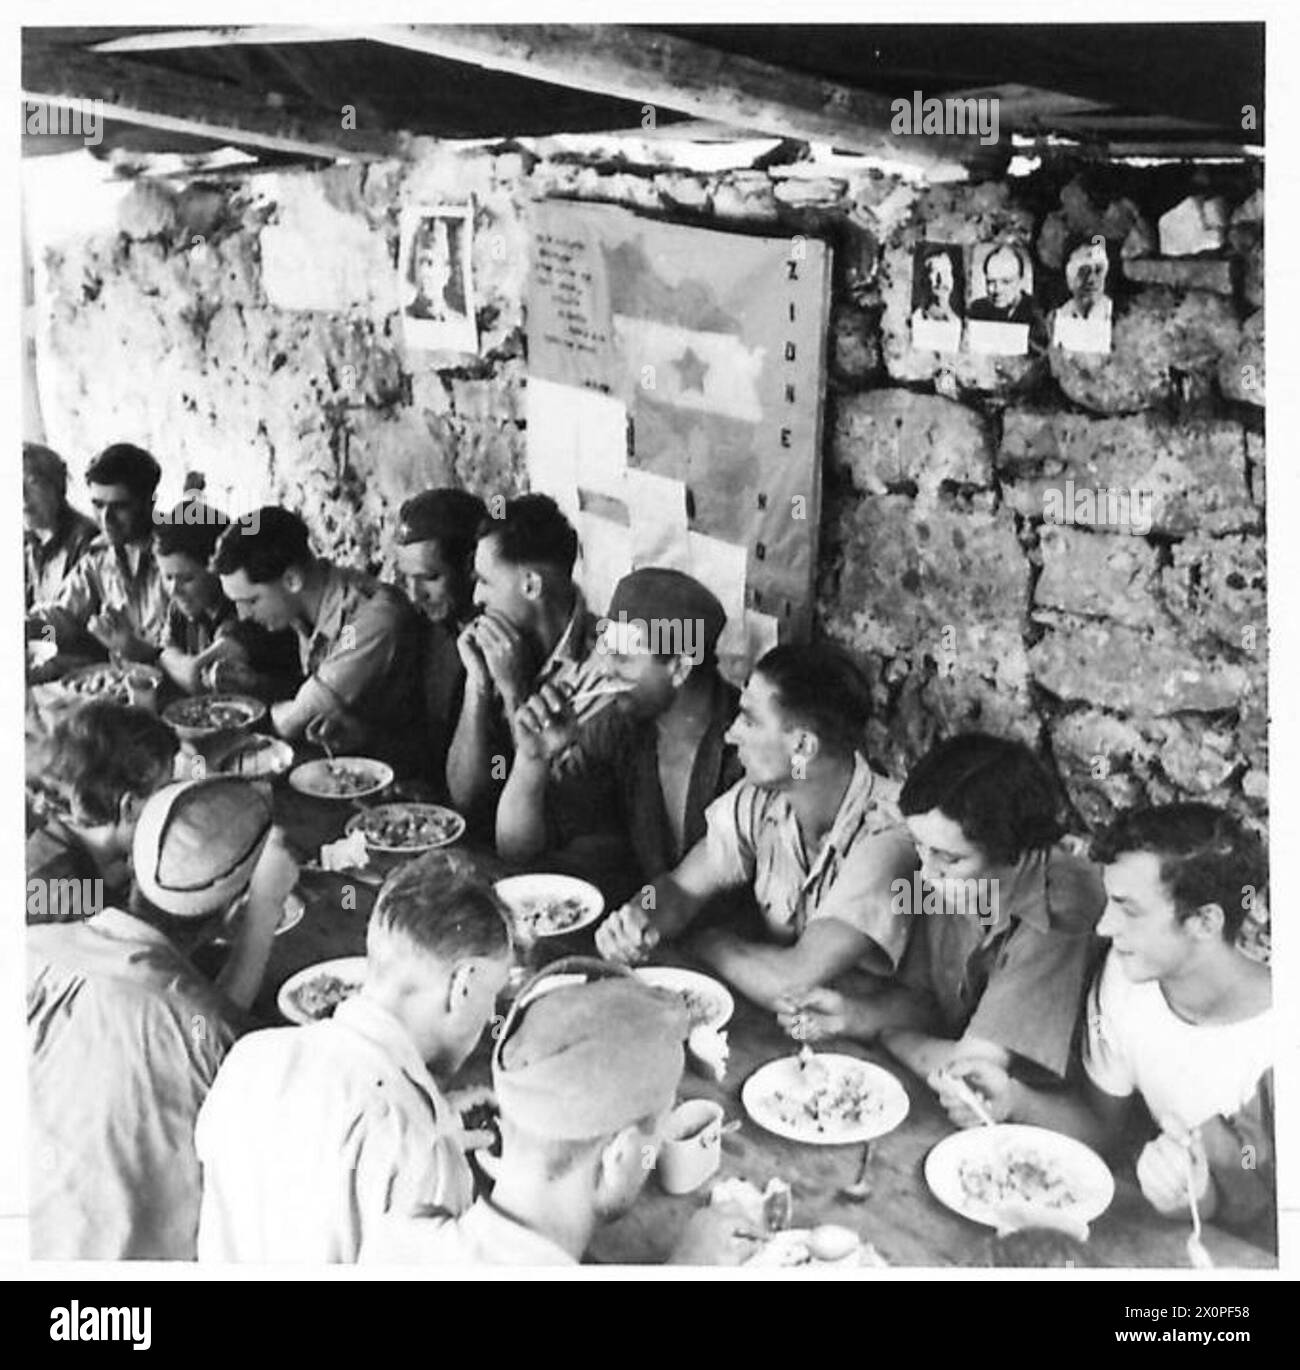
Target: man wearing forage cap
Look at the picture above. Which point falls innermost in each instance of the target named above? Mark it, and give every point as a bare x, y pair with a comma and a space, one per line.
585, 1074
125, 1035
636, 776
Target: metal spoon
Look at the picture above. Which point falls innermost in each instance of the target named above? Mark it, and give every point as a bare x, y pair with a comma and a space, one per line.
860, 1190
1196, 1252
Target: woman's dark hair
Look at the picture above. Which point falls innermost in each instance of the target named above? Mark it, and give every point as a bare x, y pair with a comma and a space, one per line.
263, 547
189, 529
996, 790
1207, 856
104, 751
820, 687
125, 464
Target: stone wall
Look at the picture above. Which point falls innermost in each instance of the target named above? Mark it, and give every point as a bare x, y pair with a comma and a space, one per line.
249, 330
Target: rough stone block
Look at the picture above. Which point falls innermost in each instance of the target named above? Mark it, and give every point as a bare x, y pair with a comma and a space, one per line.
683, 192
1196, 224
1107, 664
1104, 577
947, 584
1186, 477
1215, 588
1163, 332
1241, 372
855, 346
888, 438
1181, 273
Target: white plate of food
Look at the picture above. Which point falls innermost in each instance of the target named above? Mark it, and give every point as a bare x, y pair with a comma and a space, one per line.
316, 991
203, 716
107, 682
1014, 1175
546, 905
709, 1003
406, 828
257, 756
824, 1099
290, 916
344, 777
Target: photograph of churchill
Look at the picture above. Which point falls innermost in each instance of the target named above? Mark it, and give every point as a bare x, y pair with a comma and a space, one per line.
937, 280
1003, 317
435, 274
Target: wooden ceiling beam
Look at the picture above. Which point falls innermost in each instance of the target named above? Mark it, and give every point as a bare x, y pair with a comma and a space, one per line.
260, 35
642, 66
153, 97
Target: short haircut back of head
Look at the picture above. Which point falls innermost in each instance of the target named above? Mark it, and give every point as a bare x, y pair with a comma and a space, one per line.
534, 532
820, 687
440, 904
264, 548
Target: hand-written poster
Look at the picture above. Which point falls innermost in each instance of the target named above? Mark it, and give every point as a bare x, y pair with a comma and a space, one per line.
678, 376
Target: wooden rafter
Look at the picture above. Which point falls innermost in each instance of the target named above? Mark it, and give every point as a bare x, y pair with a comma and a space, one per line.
156, 98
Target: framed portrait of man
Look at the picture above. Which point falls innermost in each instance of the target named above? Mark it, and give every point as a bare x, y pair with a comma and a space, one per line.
1001, 310
435, 270
937, 295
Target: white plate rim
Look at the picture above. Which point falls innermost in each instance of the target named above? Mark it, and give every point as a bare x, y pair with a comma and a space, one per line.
257, 742
338, 965
296, 778
865, 1132
944, 1157
291, 900
663, 976
577, 887
206, 729
358, 821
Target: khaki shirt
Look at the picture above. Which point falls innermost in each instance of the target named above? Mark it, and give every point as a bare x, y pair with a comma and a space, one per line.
312, 1134
125, 1039
49, 558
482, 1236
126, 578
754, 838
363, 653
1018, 982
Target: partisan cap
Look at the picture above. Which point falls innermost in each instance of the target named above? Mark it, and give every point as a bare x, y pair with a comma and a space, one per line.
197, 842
655, 592
582, 1057
439, 515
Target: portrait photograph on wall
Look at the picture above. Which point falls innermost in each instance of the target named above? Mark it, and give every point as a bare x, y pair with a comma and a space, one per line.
436, 278
938, 288
1002, 311
1082, 323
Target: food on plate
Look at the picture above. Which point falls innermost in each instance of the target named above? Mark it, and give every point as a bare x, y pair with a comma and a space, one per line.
343, 778
318, 997
840, 1101
101, 681
401, 827
211, 713
830, 1242
540, 916
1017, 1175
703, 1008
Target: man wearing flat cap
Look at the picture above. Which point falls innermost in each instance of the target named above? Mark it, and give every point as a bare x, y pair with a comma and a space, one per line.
312, 1134
585, 1075
639, 774
126, 1035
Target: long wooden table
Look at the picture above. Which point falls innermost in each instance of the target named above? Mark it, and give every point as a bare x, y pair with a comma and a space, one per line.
901, 1219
